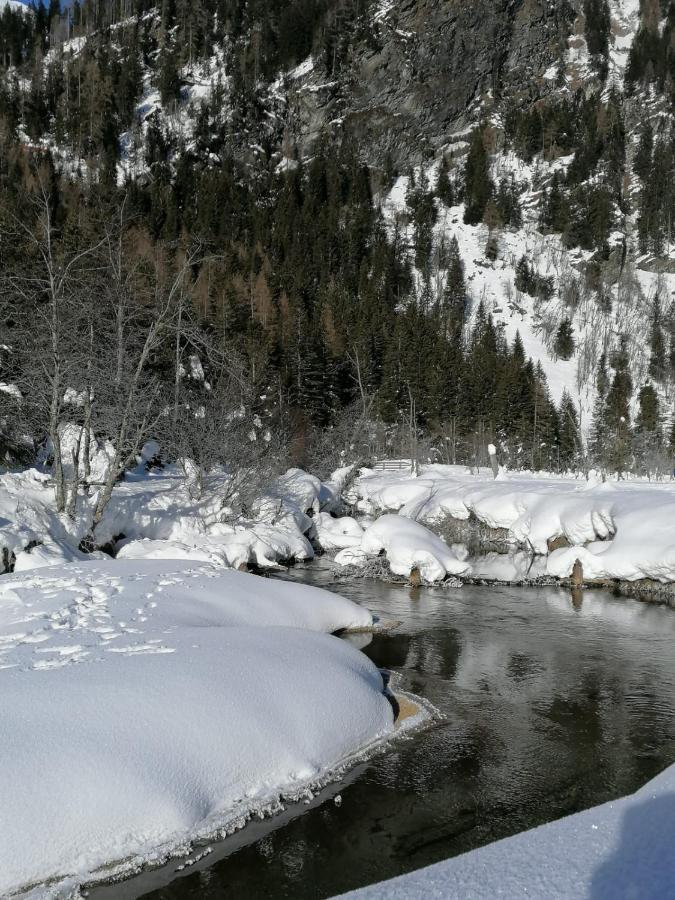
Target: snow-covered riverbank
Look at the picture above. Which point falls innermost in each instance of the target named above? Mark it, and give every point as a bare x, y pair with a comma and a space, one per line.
147, 704
618, 530
617, 851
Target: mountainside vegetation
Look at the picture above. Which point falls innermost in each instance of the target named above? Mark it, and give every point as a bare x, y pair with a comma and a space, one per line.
216, 175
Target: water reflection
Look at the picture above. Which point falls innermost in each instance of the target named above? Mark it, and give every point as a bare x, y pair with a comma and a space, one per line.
550, 703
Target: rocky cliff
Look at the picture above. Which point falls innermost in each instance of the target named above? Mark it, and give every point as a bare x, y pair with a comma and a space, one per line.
427, 69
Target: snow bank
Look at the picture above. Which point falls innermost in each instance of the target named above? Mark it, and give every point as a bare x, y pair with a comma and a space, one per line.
144, 704
28, 518
619, 530
154, 515
337, 534
617, 851
409, 546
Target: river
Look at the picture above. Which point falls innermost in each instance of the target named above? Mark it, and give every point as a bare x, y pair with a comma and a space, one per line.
548, 705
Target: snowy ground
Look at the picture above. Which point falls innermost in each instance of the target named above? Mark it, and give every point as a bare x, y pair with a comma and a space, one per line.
619, 530
159, 516
618, 851
146, 704
162, 696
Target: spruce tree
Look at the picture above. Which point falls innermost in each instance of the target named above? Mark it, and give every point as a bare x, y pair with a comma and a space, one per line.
455, 299
657, 344
569, 441
444, 188
478, 186
564, 340
643, 157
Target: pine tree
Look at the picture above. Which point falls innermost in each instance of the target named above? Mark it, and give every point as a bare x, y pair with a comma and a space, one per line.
444, 188
569, 439
657, 344
523, 279
643, 157
564, 340
617, 412
597, 16
647, 439
478, 186
455, 298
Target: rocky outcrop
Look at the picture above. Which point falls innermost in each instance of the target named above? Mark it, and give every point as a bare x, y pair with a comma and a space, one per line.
426, 72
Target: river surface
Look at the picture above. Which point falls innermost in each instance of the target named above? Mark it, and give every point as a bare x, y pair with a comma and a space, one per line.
548, 706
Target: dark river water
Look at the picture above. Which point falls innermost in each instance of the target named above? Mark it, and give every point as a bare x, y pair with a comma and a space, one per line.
548, 706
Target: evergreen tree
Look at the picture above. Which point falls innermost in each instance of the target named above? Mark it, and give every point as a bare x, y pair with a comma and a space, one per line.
643, 157
657, 344
564, 340
569, 437
617, 413
647, 439
478, 186
455, 297
597, 16
444, 188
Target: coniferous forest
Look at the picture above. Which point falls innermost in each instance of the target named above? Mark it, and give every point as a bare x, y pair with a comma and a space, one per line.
342, 328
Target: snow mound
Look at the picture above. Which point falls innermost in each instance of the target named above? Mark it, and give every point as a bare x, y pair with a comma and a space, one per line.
409, 545
618, 530
145, 705
338, 534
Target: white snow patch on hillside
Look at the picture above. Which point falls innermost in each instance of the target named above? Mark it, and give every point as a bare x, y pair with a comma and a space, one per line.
16, 5
625, 22
146, 705
492, 283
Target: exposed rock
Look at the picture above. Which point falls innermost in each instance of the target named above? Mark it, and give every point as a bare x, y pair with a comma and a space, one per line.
426, 69
557, 543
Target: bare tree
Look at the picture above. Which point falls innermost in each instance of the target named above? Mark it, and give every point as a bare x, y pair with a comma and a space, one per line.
43, 298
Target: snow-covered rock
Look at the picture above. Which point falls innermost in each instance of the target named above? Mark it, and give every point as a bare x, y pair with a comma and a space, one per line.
144, 704
338, 534
409, 545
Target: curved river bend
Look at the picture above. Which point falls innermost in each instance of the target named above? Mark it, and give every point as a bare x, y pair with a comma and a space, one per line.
549, 706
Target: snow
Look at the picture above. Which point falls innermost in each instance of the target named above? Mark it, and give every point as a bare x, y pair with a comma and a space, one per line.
15, 5
11, 389
625, 22
618, 529
408, 545
338, 534
617, 851
158, 517
146, 704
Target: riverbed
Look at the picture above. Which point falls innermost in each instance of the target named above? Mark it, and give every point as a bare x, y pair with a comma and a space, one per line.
546, 705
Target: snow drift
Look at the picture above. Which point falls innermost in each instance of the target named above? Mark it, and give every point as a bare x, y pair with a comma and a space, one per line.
144, 705
619, 530
409, 546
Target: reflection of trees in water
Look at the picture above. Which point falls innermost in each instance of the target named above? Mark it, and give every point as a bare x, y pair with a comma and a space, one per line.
434, 653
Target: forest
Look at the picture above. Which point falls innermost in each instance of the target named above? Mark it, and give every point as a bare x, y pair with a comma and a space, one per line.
303, 306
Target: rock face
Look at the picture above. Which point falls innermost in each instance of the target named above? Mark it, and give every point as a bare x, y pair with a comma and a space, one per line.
426, 70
